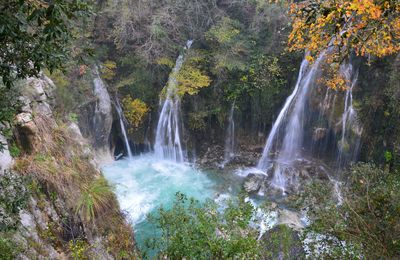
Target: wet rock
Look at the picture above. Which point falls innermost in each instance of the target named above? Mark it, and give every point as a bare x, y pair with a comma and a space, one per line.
319, 133
5, 157
291, 219
282, 242
253, 182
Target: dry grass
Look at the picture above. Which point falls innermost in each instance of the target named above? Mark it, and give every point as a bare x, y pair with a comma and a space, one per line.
60, 165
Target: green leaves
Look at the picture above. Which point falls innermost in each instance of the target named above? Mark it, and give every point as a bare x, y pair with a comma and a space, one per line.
35, 35
195, 230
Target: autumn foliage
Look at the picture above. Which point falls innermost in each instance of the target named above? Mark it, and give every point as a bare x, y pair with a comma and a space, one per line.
367, 27
134, 110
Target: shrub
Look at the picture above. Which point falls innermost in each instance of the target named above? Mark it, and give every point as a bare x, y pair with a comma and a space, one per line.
14, 151
367, 220
8, 249
193, 230
135, 110
13, 197
95, 198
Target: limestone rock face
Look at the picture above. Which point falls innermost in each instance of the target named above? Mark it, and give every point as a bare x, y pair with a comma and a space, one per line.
95, 120
5, 158
35, 112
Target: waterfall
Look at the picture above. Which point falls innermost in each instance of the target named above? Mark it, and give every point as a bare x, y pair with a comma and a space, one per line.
230, 137
168, 143
286, 142
349, 118
293, 116
118, 108
265, 158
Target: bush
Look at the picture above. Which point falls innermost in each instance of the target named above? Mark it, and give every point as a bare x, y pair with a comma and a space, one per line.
8, 249
193, 230
96, 197
367, 220
13, 197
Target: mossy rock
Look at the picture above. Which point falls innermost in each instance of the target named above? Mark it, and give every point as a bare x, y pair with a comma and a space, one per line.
282, 242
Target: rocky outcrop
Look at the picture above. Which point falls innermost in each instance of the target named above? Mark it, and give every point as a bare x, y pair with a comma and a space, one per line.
5, 157
58, 160
36, 97
95, 120
253, 182
213, 157
282, 242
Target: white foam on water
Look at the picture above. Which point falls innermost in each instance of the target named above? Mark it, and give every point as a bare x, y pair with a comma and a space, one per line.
144, 183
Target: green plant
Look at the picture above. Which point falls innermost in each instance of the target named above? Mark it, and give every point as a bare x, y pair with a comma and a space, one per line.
193, 230
368, 218
38, 33
8, 248
13, 197
14, 150
79, 249
95, 198
73, 117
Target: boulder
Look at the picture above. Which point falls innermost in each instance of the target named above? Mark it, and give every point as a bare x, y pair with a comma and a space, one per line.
253, 182
282, 242
291, 219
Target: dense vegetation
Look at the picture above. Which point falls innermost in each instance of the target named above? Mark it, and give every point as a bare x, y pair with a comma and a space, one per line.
245, 52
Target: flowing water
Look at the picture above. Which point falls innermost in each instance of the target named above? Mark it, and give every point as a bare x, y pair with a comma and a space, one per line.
287, 142
168, 143
349, 120
123, 129
229, 150
144, 183
292, 116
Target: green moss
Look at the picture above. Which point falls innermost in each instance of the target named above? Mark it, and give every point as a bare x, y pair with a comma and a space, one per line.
8, 248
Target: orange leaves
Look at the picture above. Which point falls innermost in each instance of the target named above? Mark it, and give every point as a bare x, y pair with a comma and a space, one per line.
366, 8
368, 27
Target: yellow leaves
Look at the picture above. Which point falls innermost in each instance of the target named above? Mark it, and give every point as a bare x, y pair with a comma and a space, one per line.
108, 69
165, 61
310, 59
134, 110
191, 80
336, 82
370, 27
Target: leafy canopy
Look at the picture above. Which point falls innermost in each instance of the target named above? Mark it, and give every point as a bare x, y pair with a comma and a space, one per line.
368, 27
134, 110
191, 230
35, 34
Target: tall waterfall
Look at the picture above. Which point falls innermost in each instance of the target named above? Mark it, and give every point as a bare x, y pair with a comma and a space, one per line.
230, 137
349, 119
265, 160
168, 141
118, 108
286, 142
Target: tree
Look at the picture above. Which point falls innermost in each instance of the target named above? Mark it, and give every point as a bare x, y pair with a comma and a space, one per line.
366, 27
193, 230
34, 34
366, 223
134, 110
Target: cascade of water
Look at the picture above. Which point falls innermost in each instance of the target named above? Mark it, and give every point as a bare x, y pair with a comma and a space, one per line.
230, 137
349, 116
273, 136
294, 120
168, 143
118, 108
